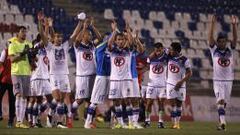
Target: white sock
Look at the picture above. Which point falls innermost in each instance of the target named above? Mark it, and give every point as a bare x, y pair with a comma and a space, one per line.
91, 108
23, 105
135, 114
179, 110
174, 120
29, 107
118, 110
69, 107
18, 108
59, 116
75, 106
130, 114
35, 107
160, 116
221, 116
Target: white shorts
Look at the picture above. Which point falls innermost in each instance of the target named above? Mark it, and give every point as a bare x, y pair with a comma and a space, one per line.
155, 92
172, 94
84, 86
40, 87
120, 89
136, 89
222, 90
100, 90
60, 82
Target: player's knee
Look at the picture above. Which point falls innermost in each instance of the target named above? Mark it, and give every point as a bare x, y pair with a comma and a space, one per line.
116, 102
221, 102
172, 102
179, 103
135, 102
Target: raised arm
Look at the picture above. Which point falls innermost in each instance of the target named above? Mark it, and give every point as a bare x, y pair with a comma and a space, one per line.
51, 30
234, 27
84, 29
140, 46
75, 33
211, 31
112, 38
95, 30
41, 31
129, 35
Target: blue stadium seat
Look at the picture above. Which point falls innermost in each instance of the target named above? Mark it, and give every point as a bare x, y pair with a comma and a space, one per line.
158, 24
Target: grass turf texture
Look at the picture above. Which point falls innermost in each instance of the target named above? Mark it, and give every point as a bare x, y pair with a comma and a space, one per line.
187, 128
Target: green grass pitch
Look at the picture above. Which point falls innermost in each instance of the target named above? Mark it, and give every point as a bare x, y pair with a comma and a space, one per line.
187, 128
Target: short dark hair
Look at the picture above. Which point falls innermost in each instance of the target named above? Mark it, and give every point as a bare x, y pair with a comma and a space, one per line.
222, 35
176, 46
21, 27
158, 45
119, 34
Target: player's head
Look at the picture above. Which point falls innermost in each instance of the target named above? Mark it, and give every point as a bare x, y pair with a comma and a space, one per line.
222, 40
57, 39
22, 32
158, 47
175, 49
86, 36
120, 40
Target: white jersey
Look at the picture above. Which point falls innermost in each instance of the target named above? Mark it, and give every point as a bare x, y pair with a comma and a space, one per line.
222, 63
85, 59
58, 58
176, 69
158, 70
120, 64
41, 72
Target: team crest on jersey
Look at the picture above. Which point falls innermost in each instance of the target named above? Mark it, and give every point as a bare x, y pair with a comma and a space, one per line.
224, 62
157, 69
119, 61
174, 68
88, 56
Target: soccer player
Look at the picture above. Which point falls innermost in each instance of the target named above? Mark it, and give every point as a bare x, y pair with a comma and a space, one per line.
20, 71
40, 85
178, 73
133, 97
157, 60
101, 84
120, 76
58, 61
85, 59
223, 74
6, 85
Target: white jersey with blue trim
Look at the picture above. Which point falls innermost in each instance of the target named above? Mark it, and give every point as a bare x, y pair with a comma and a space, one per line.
158, 70
120, 64
41, 71
85, 59
177, 69
58, 58
223, 63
